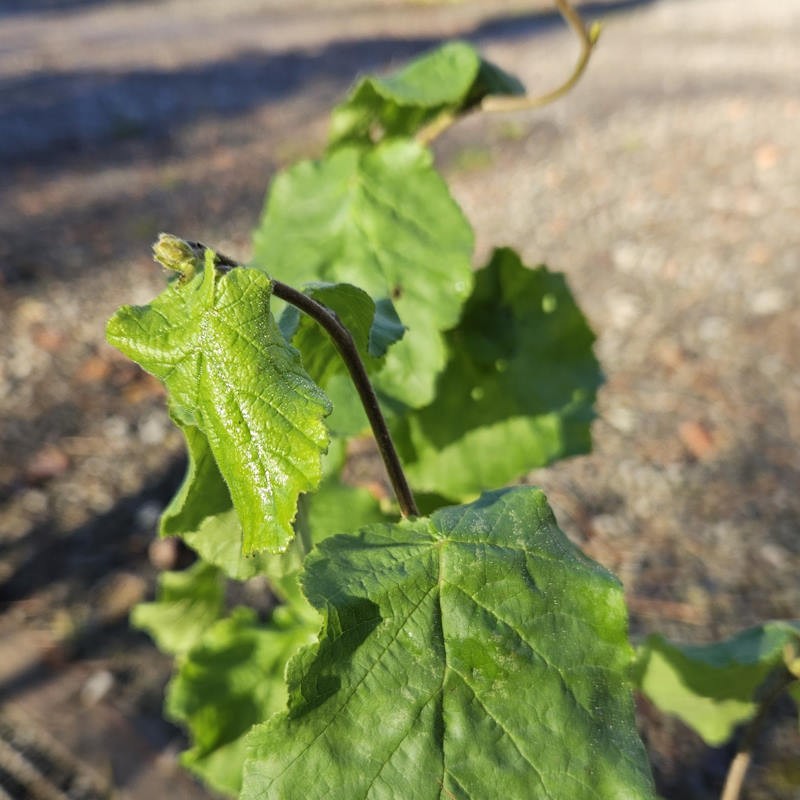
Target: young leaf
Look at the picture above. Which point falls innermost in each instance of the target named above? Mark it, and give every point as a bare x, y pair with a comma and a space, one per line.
713, 687
203, 492
451, 78
202, 514
518, 391
232, 679
214, 343
473, 654
188, 603
381, 219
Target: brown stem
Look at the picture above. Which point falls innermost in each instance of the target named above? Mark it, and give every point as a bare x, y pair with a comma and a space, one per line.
775, 686
344, 343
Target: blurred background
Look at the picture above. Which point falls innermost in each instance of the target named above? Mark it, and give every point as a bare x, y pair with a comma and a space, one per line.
666, 186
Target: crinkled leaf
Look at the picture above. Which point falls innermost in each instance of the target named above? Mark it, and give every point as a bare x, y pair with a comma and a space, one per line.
713, 687
383, 220
231, 680
334, 508
202, 513
518, 391
186, 605
214, 343
203, 492
473, 654
374, 328
451, 78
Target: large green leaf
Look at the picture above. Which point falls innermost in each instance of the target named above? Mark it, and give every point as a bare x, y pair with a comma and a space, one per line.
713, 687
334, 508
474, 654
451, 78
232, 679
212, 340
518, 391
383, 220
374, 328
187, 604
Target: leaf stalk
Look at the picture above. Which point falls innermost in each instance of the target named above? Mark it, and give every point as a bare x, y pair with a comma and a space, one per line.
343, 341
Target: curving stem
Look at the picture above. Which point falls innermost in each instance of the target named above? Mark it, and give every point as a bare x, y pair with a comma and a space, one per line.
588, 38
344, 343
774, 686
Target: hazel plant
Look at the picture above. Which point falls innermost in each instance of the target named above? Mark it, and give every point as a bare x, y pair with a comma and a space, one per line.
467, 649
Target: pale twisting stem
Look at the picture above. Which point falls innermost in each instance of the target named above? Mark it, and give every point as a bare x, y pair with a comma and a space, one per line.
587, 36
776, 685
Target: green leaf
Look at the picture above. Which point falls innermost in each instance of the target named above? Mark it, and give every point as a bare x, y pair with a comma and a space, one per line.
473, 654
374, 328
214, 343
334, 508
451, 78
713, 687
383, 220
187, 604
518, 391
202, 513
203, 492
231, 680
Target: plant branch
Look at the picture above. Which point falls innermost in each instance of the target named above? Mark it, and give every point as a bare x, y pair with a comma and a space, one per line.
355, 366
344, 343
774, 687
588, 37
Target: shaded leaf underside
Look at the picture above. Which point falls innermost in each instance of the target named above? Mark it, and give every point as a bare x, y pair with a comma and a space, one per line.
713, 687
518, 390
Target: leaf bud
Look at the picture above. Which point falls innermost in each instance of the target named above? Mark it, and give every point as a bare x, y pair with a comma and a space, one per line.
177, 255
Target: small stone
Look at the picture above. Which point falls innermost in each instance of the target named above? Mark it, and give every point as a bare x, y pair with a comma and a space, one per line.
119, 595
34, 501
147, 515
48, 462
697, 439
93, 370
774, 555
49, 339
768, 301
163, 553
115, 428
97, 686
766, 156
153, 429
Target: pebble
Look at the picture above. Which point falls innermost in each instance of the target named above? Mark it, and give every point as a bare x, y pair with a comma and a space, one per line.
96, 687
768, 301
147, 515
163, 553
48, 462
153, 428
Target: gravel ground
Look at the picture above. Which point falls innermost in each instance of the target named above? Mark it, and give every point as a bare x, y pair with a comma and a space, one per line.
665, 186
